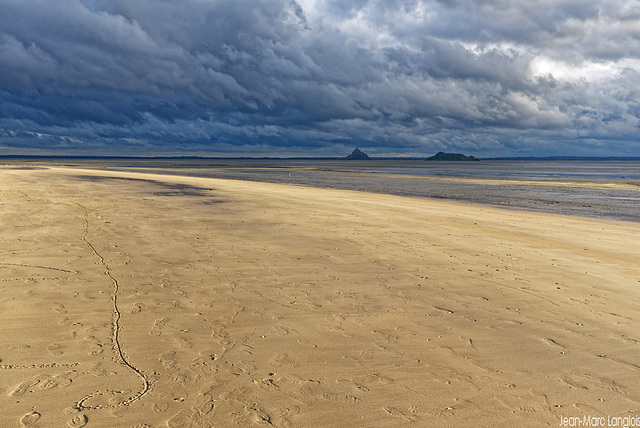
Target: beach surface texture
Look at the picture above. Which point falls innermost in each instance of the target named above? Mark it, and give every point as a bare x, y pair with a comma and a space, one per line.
146, 300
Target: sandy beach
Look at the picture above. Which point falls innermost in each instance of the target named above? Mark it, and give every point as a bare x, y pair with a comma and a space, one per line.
143, 300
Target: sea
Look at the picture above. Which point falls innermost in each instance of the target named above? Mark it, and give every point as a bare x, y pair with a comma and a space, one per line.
589, 188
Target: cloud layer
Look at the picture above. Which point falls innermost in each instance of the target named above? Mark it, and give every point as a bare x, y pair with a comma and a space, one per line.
317, 77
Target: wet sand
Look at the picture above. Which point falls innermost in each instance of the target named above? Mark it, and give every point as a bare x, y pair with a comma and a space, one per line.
148, 300
590, 188
595, 189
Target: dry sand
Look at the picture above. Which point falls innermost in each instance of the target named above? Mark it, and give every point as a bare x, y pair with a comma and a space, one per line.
138, 300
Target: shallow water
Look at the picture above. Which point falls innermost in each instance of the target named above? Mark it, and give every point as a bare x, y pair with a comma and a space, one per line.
430, 180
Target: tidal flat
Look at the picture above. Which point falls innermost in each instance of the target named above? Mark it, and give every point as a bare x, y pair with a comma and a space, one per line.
597, 189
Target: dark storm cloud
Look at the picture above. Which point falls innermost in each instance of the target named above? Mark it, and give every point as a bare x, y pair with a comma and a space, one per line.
316, 77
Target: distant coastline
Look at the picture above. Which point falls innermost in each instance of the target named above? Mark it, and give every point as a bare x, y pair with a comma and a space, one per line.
332, 158
566, 158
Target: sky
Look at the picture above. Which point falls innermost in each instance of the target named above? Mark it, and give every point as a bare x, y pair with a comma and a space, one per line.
320, 77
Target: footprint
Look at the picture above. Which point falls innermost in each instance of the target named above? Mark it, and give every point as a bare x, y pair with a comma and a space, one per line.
158, 326
55, 349
168, 360
205, 366
394, 411
179, 420
94, 345
138, 307
24, 386
183, 343
30, 419
59, 308
78, 421
49, 383
62, 380
98, 370
204, 404
160, 407
259, 416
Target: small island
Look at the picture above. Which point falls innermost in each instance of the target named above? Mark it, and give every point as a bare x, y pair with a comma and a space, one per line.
441, 156
357, 154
